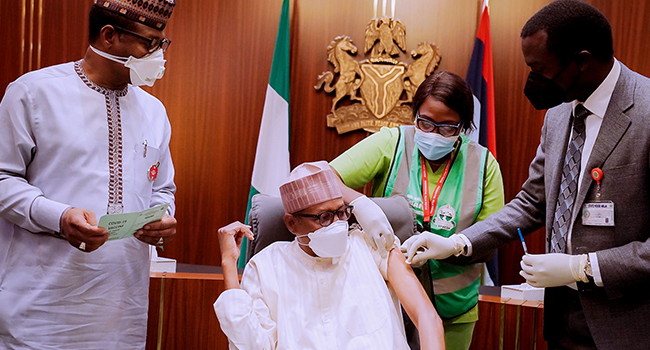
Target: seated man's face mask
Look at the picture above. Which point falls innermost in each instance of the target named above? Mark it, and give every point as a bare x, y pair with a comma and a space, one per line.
144, 71
329, 241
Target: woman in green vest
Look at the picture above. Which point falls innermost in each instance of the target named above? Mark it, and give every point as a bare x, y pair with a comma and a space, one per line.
461, 184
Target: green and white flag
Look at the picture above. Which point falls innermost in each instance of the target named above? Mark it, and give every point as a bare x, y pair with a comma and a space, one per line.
272, 167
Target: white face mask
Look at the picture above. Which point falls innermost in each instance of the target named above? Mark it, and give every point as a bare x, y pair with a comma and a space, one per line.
330, 241
144, 71
433, 145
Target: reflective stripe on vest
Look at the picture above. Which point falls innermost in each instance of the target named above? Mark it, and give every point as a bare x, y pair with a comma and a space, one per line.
458, 282
398, 179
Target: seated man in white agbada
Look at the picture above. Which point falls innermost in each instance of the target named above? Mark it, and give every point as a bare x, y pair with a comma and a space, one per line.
327, 289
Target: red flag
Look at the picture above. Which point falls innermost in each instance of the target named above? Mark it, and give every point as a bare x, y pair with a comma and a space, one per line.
480, 77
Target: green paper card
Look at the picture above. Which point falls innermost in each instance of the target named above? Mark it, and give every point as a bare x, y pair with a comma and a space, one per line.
127, 224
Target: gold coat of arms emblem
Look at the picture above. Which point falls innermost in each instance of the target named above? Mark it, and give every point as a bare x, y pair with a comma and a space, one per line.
376, 91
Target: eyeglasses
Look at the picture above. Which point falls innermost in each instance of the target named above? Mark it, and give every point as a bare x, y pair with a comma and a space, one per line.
153, 44
326, 217
427, 125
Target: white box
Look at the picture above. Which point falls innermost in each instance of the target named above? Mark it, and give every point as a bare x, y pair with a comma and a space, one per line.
159, 264
522, 291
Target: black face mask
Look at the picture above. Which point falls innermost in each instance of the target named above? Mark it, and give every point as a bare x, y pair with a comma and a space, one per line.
544, 93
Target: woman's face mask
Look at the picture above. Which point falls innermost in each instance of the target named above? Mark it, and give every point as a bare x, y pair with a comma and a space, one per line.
330, 241
144, 71
433, 145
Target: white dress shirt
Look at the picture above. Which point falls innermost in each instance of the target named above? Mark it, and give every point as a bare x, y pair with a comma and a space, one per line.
290, 300
597, 105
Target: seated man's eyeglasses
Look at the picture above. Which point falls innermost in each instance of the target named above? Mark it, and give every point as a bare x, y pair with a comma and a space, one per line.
326, 217
427, 125
153, 44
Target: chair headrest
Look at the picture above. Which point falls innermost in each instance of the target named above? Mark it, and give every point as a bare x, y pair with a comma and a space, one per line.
266, 218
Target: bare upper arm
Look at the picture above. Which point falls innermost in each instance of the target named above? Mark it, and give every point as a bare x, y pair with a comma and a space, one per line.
407, 287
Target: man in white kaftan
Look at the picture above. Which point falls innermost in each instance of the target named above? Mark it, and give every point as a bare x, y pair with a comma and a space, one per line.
69, 145
336, 294
350, 308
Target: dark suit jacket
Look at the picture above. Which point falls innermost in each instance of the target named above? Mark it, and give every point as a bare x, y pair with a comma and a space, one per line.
618, 314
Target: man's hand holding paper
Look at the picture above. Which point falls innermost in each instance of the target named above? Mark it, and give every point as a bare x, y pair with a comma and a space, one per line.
152, 226
158, 232
79, 228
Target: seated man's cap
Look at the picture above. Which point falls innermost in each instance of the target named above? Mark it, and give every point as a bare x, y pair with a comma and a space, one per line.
309, 184
153, 13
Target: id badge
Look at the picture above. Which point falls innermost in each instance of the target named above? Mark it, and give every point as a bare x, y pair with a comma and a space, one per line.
598, 213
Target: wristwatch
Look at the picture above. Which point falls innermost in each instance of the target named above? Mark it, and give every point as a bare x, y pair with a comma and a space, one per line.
588, 270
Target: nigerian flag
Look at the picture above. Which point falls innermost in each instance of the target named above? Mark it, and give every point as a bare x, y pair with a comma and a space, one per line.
272, 167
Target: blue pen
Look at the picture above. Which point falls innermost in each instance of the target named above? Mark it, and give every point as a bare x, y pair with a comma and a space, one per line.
522, 241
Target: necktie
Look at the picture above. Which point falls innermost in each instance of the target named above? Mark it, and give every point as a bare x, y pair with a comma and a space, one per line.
569, 182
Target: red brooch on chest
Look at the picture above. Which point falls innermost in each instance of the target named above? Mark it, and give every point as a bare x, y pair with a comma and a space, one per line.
152, 174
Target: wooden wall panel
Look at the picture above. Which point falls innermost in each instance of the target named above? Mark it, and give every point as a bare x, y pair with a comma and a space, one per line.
14, 14
62, 31
506, 324
218, 67
188, 319
43, 33
631, 30
518, 124
214, 87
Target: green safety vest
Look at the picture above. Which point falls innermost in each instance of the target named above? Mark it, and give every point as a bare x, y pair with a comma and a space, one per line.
459, 203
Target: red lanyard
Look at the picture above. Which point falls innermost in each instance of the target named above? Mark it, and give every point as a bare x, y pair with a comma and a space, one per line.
428, 208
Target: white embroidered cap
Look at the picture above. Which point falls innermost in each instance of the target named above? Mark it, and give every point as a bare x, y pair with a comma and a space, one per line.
309, 184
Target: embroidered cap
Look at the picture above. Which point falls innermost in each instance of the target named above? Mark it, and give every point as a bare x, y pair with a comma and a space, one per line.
153, 13
309, 184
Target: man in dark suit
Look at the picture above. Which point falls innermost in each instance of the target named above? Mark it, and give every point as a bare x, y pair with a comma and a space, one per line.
589, 184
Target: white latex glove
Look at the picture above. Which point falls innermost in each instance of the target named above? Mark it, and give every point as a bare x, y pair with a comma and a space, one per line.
378, 232
552, 270
435, 247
